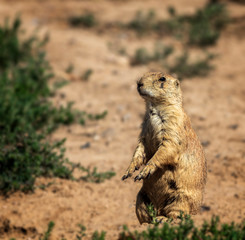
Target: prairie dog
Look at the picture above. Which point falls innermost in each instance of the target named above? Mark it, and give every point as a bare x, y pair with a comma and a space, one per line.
174, 172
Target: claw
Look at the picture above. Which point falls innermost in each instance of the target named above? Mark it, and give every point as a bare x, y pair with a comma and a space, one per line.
124, 177
159, 220
148, 175
137, 178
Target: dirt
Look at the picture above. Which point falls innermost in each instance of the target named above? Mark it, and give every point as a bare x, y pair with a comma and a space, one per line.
214, 103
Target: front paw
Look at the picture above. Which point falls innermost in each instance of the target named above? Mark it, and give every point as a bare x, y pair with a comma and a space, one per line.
128, 173
146, 172
131, 169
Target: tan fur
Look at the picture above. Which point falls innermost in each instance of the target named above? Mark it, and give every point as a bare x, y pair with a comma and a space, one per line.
174, 173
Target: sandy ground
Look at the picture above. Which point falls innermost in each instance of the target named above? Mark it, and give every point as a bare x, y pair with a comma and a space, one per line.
215, 105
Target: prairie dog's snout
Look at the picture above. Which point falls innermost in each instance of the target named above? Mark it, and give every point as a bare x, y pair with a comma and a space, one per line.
140, 88
139, 84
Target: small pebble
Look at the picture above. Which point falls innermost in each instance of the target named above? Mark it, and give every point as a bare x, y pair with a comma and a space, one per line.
86, 145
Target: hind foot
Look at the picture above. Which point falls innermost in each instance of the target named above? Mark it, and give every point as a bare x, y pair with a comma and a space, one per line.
160, 219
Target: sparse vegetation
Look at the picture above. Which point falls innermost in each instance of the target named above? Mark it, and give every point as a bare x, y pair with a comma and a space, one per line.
152, 212
117, 48
142, 56
202, 28
48, 232
27, 116
84, 20
142, 23
186, 69
182, 66
70, 68
186, 229
96, 235
81, 232
94, 176
87, 74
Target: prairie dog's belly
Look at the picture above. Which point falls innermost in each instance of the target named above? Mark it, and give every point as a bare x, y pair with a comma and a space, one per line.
152, 136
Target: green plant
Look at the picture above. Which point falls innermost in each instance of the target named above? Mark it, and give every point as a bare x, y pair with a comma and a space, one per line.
152, 212
203, 28
142, 23
186, 229
48, 232
85, 20
59, 84
141, 57
184, 68
180, 66
27, 115
98, 236
81, 232
117, 48
70, 68
206, 24
97, 116
87, 74
160, 53
94, 176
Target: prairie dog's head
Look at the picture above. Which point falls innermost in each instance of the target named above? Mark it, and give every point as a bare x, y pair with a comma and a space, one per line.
157, 87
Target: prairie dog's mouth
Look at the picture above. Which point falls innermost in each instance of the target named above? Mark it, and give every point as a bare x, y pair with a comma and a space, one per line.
143, 92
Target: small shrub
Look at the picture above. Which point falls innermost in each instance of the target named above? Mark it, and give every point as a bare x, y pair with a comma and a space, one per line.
117, 48
86, 20
70, 68
181, 65
87, 74
98, 236
48, 232
184, 68
186, 229
59, 84
27, 116
97, 116
94, 176
206, 24
81, 232
152, 212
142, 23
142, 56
203, 28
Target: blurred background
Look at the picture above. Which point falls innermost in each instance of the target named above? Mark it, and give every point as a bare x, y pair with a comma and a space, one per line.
70, 113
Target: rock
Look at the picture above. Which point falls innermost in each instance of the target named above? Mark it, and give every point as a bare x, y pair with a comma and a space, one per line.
126, 117
205, 143
86, 145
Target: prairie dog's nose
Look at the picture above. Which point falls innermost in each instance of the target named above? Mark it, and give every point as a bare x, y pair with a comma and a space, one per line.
140, 84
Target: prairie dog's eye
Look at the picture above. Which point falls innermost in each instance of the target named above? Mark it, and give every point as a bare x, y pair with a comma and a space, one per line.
162, 79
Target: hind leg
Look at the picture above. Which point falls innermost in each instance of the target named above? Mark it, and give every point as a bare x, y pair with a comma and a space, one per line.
181, 204
141, 207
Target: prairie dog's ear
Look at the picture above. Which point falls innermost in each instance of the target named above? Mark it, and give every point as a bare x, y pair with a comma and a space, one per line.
177, 83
